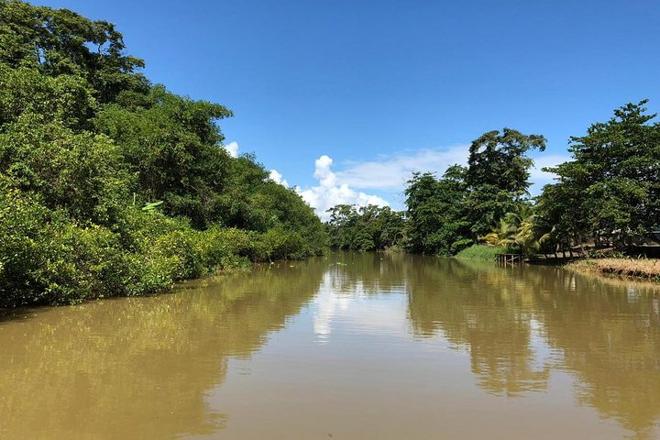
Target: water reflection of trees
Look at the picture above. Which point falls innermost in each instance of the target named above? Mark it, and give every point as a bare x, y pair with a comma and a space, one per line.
146, 362
610, 338
493, 324
608, 334
154, 359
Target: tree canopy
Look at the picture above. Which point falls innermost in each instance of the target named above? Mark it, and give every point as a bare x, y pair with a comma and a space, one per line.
610, 191
111, 185
606, 196
449, 214
365, 228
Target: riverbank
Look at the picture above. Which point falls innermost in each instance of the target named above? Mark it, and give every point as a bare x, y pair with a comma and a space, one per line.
480, 252
633, 268
642, 269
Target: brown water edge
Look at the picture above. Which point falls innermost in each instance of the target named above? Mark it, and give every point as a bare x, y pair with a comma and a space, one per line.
642, 270
353, 346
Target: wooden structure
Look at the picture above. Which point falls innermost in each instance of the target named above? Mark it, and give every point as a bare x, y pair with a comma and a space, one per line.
505, 259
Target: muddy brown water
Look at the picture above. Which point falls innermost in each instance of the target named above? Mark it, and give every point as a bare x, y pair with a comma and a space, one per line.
347, 346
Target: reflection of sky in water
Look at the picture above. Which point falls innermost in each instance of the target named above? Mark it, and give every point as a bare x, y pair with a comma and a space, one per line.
352, 309
542, 353
356, 309
508, 350
304, 351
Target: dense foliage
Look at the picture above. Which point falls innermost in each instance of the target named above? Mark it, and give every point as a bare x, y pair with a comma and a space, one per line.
607, 196
610, 192
110, 185
366, 228
449, 214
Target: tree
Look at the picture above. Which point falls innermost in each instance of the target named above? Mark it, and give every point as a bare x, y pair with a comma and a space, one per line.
365, 228
610, 191
516, 231
436, 217
174, 147
112, 186
80, 173
60, 42
497, 176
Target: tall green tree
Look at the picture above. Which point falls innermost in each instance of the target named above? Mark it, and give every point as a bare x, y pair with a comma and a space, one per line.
497, 176
610, 191
60, 42
436, 217
448, 214
173, 146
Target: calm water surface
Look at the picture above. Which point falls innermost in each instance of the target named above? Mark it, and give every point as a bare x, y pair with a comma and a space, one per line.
344, 347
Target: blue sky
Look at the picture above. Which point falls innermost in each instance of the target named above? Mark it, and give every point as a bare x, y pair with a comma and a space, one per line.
386, 87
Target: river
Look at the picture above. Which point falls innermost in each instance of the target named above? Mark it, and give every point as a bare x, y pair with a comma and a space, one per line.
348, 346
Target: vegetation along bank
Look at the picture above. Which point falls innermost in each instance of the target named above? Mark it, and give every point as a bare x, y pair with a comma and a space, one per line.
646, 269
111, 185
605, 201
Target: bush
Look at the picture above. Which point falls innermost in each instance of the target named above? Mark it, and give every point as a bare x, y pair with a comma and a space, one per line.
45, 258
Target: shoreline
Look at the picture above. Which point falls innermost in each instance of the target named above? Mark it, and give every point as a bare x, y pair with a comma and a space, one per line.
621, 268
634, 269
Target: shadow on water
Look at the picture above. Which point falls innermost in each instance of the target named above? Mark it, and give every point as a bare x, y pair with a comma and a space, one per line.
140, 367
11, 315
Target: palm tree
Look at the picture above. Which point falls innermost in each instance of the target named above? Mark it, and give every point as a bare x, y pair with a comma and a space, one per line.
516, 230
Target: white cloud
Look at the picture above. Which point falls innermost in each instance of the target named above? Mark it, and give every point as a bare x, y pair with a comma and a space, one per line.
331, 192
276, 177
392, 172
232, 148
538, 177
388, 174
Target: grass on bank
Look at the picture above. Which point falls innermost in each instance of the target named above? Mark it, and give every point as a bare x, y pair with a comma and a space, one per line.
481, 252
623, 267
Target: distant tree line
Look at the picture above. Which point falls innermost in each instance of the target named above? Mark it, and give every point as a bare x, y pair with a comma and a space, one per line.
607, 195
111, 185
365, 228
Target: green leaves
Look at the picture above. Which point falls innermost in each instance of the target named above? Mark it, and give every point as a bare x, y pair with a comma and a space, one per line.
447, 215
67, 99
85, 141
61, 42
364, 229
610, 191
499, 160
172, 145
436, 217
81, 173
151, 206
